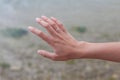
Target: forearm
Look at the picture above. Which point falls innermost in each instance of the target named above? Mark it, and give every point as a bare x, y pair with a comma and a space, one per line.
105, 51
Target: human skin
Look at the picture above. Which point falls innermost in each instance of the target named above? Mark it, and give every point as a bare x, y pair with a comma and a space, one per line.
67, 47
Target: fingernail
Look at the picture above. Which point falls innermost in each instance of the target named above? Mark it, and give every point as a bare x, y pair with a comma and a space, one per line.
38, 19
30, 27
39, 52
53, 18
44, 17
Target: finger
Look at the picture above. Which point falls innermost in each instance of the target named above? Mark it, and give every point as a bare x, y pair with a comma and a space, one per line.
42, 35
52, 56
52, 23
60, 25
47, 54
47, 26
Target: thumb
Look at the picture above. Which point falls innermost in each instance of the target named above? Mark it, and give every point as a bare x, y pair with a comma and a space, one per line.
47, 54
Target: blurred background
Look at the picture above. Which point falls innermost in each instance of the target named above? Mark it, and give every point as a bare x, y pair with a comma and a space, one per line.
88, 20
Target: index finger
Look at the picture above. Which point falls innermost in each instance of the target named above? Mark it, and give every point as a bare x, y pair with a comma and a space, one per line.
42, 35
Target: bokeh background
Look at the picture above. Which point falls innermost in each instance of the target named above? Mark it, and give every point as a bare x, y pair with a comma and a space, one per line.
88, 20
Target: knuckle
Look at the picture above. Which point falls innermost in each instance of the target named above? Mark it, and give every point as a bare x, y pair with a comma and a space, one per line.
60, 24
40, 33
54, 58
53, 24
46, 25
51, 38
55, 40
58, 30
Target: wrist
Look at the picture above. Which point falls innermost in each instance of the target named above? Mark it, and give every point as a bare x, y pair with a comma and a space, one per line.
83, 49
87, 50
90, 50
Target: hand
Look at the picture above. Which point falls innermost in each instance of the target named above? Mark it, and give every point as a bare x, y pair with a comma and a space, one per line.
64, 45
